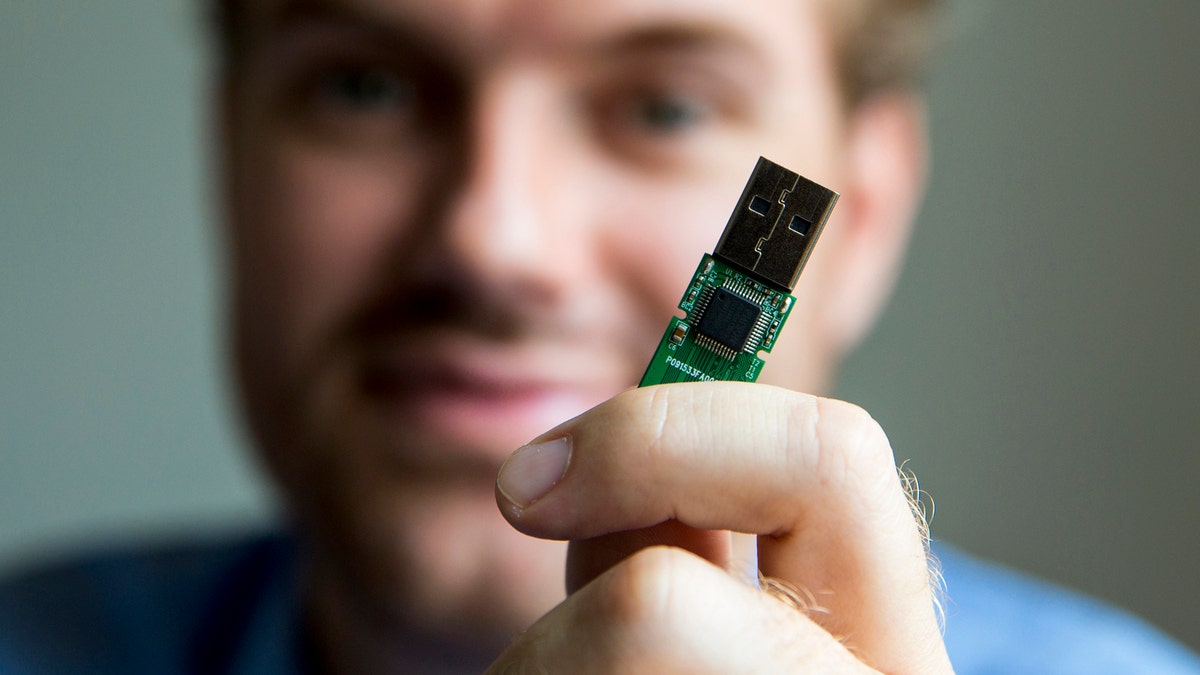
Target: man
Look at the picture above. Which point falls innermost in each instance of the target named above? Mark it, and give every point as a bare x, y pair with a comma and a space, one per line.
453, 226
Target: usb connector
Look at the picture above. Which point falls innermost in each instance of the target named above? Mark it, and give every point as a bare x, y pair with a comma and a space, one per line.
775, 225
740, 297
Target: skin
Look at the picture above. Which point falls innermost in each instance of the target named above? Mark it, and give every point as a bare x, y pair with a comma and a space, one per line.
452, 226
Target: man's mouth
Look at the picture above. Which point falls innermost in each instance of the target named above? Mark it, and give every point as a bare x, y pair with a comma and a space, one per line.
484, 398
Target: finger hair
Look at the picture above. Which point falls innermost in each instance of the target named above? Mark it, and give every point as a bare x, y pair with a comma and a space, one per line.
921, 503
922, 506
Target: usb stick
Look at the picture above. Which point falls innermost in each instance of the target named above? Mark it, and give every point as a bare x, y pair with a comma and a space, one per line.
740, 295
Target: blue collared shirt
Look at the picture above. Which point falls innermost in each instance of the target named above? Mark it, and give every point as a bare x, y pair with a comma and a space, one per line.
233, 607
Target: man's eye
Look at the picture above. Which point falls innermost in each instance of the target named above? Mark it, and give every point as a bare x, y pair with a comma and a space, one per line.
668, 114
367, 89
658, 124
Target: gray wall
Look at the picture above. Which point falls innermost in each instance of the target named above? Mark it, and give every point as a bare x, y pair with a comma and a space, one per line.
1039, 364
112, 418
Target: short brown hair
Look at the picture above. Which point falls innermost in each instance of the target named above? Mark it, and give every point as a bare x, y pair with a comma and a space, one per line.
881, 45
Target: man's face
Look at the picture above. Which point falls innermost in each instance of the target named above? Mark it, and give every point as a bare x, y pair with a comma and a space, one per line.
456, 224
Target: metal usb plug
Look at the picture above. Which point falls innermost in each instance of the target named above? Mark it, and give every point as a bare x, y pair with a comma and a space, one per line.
775, 225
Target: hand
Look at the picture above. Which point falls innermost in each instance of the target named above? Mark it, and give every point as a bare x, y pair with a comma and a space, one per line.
683, 464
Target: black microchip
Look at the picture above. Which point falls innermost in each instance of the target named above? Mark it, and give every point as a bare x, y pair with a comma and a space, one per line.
729, 319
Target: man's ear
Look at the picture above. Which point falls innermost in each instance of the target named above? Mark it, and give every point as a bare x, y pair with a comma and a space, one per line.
884, 180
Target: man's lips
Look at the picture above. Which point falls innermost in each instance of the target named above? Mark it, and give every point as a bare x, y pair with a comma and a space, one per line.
484, 396
484, 367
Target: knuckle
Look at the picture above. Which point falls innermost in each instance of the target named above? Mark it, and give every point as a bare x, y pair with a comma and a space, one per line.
648, 590
658, 411
852, 444
665, 424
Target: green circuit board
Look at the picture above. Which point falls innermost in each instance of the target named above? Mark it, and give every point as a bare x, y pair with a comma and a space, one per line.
740, 296
730, 317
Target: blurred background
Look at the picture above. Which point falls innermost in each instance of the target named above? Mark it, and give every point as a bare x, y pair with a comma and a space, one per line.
1040, 364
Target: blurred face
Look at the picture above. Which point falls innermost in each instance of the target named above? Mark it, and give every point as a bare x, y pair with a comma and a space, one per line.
456, 224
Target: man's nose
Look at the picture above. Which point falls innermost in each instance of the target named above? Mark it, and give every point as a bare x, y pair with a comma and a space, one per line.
508, 222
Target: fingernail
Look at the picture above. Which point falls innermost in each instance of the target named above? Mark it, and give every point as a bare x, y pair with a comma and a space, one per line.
530, 472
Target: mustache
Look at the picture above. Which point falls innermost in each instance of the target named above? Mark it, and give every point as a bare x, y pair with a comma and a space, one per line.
431, 299
439, 306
